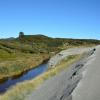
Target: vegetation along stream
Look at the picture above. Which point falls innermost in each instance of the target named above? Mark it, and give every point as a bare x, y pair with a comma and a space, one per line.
6, 83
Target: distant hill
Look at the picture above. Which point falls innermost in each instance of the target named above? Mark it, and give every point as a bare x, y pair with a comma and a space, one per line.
55, 41
41, 43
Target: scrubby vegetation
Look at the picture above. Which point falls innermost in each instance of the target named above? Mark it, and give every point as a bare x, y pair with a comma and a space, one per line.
27, 51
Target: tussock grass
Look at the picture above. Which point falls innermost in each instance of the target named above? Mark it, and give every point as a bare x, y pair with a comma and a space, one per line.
20, 64
20, 54
21, 90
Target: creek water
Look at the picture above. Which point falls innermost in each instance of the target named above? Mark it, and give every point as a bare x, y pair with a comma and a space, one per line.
6, 83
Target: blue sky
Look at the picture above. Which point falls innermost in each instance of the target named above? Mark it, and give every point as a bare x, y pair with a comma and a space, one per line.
56, 18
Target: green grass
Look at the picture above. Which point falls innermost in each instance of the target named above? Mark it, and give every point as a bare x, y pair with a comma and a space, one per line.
21, 90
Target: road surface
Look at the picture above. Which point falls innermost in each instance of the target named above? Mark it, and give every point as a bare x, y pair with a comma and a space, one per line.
89, 87
61, 86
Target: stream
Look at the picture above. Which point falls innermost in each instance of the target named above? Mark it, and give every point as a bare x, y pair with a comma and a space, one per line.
5, 84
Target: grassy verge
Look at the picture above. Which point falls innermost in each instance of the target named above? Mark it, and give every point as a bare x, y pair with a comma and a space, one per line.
21, 90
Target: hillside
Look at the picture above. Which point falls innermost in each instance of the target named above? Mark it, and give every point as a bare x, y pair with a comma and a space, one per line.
41, 43
27, 51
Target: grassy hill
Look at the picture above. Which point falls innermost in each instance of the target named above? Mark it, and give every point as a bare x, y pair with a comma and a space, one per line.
27, 51
41, 43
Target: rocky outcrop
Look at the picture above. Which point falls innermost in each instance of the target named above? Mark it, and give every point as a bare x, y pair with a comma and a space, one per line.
63, 54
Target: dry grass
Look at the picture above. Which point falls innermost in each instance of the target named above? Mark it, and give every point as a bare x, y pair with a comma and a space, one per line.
21, 64
21, 90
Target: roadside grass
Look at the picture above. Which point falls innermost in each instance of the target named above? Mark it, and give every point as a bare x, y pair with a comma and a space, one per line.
21, 90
